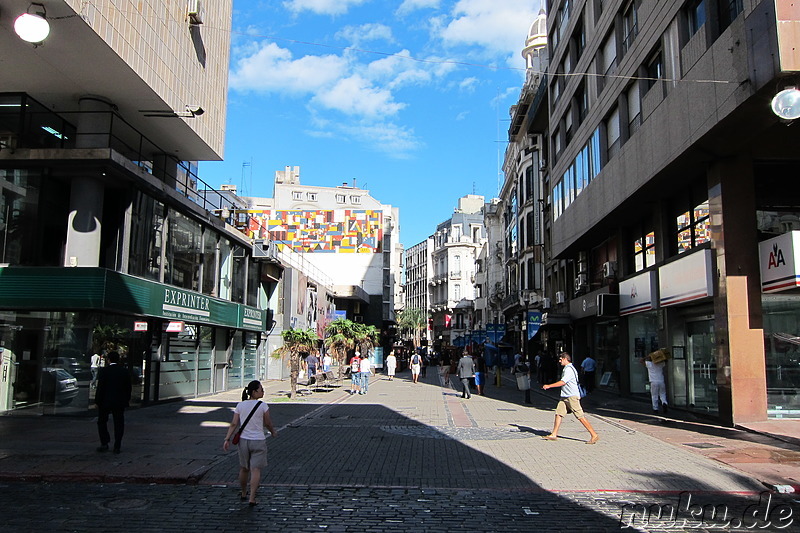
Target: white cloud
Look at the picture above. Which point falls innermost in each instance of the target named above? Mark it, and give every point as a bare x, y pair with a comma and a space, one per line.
468, 84
322, 7
500, 27
355, 95
387, 137
412, 5
365, 33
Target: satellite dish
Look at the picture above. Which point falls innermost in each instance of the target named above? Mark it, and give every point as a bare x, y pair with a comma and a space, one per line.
786, 104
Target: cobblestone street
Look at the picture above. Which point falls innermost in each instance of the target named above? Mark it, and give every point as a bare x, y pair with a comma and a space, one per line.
405, 457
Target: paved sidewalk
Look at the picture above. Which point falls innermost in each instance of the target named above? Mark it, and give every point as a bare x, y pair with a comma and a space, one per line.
408, 435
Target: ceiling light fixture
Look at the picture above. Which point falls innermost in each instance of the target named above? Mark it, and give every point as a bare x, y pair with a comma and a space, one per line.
786, 104
32, 26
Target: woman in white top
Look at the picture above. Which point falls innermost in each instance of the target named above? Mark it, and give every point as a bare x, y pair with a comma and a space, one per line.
366, 373
252, 443
391, 365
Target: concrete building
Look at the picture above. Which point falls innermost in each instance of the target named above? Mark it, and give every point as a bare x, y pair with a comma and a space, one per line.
106, 238
671, 197
342, 237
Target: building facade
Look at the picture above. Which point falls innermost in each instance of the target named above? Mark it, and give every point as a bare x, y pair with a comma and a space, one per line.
418, 271
456, 246
108, 242
342, 239
670, 197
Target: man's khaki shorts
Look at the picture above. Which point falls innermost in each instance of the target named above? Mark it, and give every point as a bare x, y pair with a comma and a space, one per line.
570, 405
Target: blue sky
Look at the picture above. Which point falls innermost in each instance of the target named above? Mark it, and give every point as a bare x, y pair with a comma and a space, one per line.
327, 85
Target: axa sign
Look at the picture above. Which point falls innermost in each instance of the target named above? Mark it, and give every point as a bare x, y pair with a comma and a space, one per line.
779, 261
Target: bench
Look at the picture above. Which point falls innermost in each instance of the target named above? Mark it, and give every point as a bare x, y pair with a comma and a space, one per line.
325, 381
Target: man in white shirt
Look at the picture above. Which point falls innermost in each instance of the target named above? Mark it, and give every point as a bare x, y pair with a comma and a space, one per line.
570, 401
95, 368
658, 385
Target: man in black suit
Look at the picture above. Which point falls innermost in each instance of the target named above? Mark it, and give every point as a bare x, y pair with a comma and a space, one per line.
112, 396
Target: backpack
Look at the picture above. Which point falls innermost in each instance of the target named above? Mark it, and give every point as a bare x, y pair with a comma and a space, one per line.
415, 359
355, 364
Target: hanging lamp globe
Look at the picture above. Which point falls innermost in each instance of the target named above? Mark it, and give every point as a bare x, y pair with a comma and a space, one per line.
32, 28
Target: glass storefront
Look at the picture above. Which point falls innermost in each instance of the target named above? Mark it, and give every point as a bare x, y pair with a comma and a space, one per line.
642, 340
694, 368
606, 350
45, 359
782, 351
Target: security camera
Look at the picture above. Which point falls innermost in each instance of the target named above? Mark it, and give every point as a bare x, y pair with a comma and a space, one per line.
195, 110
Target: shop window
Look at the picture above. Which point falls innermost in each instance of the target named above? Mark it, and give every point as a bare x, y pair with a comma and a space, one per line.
693, 227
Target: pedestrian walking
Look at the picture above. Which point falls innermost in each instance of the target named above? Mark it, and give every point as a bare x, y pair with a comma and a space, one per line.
94, 366
366, 373
112, 396
355, 373
391, 365
466, 371
416, 365
480, 374
658, 385
252, 441
570, 401
589, 368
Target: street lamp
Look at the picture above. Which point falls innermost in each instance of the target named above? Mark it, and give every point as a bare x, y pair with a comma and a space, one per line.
33, 27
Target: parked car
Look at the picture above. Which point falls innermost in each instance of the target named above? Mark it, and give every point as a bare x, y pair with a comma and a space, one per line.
58, 386
78, 369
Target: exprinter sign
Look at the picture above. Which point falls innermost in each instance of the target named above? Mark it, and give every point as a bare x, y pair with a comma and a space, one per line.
186, 305
105, 290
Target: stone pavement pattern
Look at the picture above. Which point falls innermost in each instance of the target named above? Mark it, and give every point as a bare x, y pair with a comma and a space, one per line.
405, 455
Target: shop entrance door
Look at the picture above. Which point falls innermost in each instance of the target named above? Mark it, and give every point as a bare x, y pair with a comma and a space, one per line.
701, 366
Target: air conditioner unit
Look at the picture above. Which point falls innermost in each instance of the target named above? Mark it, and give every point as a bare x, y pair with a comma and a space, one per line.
609, 269
580, 282
545, 303
195, 12
560, 297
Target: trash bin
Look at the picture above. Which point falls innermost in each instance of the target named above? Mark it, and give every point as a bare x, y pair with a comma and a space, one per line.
523, 381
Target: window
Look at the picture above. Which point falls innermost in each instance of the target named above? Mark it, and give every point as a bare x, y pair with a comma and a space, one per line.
457, 292
693, 227
355, 199
579, 40
634, 109
341, 198
654, 69
612, 129
630, 26
312, 196
728, 11
608, 54
581, 103
696, 15
297, 195
644, 249
568, 125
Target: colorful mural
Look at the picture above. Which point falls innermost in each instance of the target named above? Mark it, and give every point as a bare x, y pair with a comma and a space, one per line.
322, 231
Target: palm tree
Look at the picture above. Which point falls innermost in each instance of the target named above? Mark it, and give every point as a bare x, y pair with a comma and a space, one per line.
339, 338
295, 343
412, 319
366, 337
